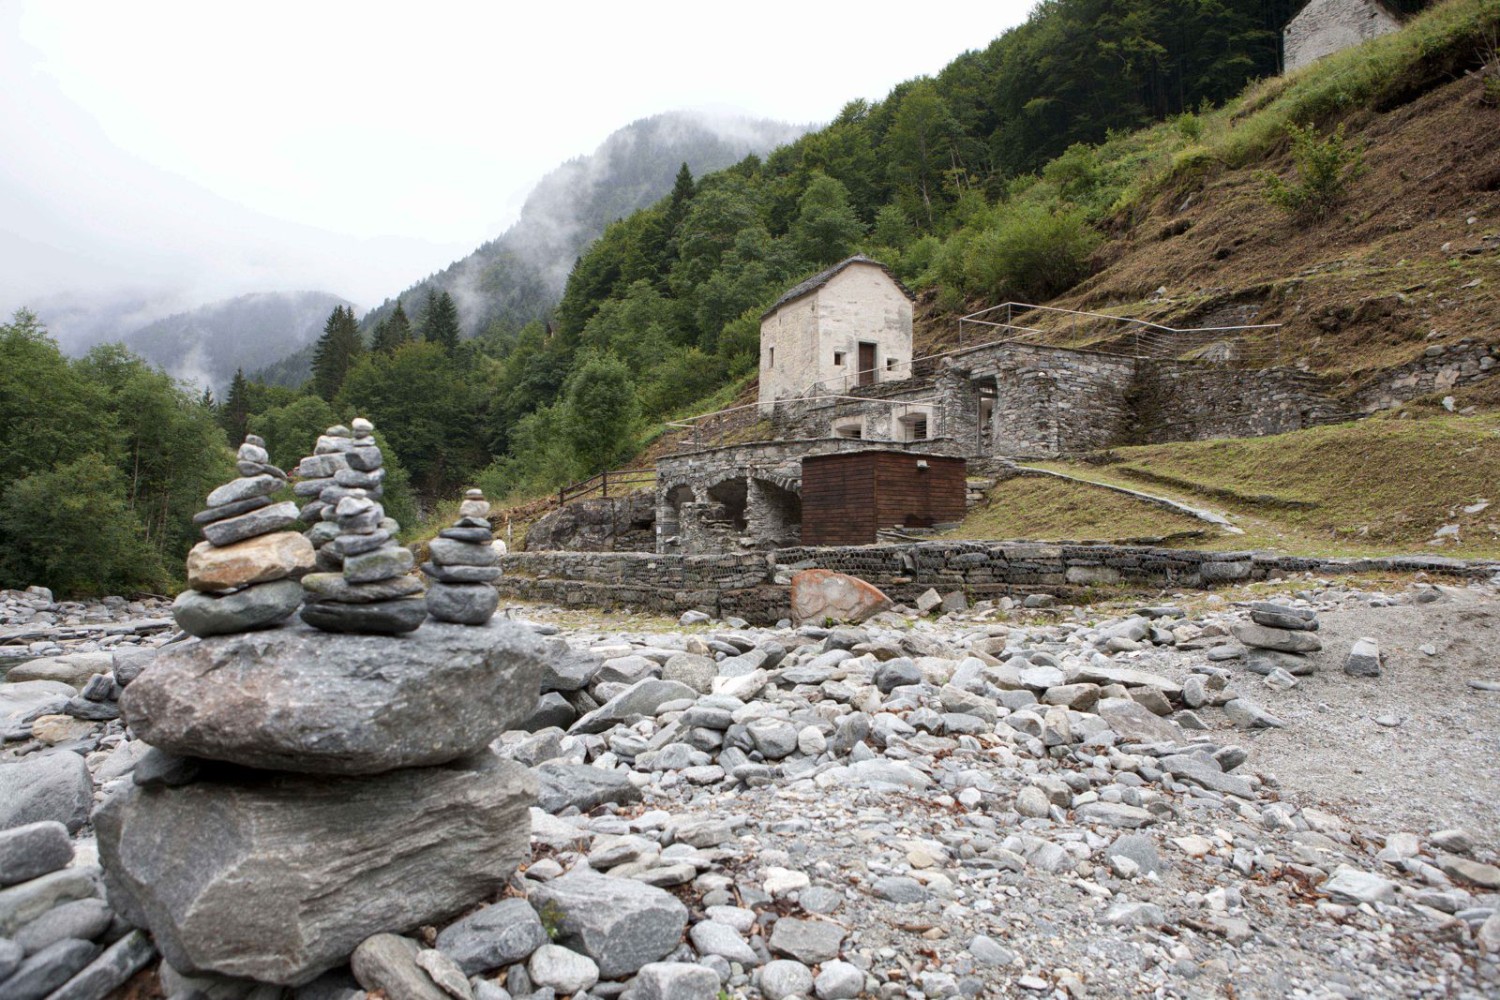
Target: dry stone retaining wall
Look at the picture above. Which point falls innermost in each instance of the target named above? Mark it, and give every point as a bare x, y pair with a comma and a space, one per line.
754, 586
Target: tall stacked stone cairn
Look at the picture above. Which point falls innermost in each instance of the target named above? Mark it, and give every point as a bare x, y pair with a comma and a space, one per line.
463, 565
365, 584
245, 574
307, 790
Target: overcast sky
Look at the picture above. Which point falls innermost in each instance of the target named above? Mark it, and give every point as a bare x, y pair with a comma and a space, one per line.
212, 148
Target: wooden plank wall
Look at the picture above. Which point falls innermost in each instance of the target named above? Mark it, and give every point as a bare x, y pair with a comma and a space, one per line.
847, 497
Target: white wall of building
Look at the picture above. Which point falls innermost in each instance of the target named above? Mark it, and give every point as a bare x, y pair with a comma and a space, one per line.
1327, 26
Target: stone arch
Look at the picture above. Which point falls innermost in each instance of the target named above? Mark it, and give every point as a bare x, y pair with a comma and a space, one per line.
733, 494
774, 511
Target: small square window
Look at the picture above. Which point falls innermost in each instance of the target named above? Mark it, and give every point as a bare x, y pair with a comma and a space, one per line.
838, 358
890, 364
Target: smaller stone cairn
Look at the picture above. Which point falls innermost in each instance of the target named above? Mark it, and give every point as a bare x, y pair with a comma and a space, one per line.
344, 459
463, 565
244, 575
375, 591
1279, 636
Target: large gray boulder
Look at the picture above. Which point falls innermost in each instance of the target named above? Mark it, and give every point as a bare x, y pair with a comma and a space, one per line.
620, 923
299, 699
52, 786
279, 877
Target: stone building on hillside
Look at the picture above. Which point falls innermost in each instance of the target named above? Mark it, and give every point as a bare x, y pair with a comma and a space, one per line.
845, 327
1324, 27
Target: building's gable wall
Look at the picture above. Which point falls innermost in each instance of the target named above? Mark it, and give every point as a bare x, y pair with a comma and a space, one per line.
1327, 26
860, 303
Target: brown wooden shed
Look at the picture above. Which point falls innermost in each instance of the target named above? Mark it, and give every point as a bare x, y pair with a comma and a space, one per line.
847, 497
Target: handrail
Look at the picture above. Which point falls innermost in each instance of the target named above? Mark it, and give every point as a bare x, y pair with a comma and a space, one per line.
600, 484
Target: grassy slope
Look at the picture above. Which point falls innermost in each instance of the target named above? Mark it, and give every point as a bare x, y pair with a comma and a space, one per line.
1379, 486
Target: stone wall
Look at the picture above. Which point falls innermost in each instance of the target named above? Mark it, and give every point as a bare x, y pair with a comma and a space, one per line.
1439, 369
755, 585
597, 524
1327, 26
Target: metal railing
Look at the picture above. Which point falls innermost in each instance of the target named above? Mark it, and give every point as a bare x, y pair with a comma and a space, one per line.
600, 484
1247, 345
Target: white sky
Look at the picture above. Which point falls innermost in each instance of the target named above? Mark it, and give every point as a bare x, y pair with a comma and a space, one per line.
213, 148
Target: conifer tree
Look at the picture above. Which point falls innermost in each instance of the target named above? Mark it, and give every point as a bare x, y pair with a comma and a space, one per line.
440, 324
207, 400
392, 332
235, 412
336, 352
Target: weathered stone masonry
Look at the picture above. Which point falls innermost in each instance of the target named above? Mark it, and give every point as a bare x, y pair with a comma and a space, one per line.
755, 585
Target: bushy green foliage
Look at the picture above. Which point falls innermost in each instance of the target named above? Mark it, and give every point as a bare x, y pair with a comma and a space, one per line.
72, 529
103, 462
1326, 166
1030, 254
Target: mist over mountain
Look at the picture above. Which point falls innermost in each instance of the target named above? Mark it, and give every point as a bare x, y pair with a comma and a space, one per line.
207, 344
519, 276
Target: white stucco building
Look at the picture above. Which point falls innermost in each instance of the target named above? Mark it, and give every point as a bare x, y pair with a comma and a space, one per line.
847, 326
1324, 27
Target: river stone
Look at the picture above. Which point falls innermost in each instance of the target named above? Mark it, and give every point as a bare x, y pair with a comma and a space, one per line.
53, 786
333, 587
384, 563
84, 919
620, 923
396, 617
259, 606
461, 574
1263, 637
497, 935
277, 877
48, 969
679, 981
640, 699
561, 784
72, 669
820, 594
297, 699
110, 971
23, 903
243, 489
462, 603
33, 849
255, 560
230, 510
388, 962
262, 521
447, 552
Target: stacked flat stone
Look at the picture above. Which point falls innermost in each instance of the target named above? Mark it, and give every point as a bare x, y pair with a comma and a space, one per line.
1279, 635
344, 459
374, 591
245, 574
463, 565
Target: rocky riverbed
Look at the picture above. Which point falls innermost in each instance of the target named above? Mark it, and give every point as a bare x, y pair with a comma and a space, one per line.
1289, 790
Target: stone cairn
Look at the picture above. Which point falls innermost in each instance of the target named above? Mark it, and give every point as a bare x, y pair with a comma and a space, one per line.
463, 565
365, 584
244, 575
1278, 638
326, 788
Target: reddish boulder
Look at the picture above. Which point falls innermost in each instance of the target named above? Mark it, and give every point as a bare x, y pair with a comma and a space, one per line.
820, 594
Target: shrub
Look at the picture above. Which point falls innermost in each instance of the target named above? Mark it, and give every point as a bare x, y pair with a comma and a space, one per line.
1032, 254
1325, 168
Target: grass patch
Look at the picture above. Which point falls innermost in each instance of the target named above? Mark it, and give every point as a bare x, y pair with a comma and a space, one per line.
1044, 507
1379, 486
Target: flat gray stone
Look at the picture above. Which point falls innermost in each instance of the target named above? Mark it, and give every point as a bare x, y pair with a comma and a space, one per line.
110, 970
1246, 714
675, 981
583, 786
48, 969
448, 552
785, 978
33, 849
261, 521
462, 603
710, 937
1116, 814
493, 936
259, 606
1138, 848
388, 962
23, 903
561, 969
245, 488
84, 919
1287, 641
49, 786
900, 889
620, 923
635, 702
1363, 659
288, 873
1205, 772
808, 941
297, 699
